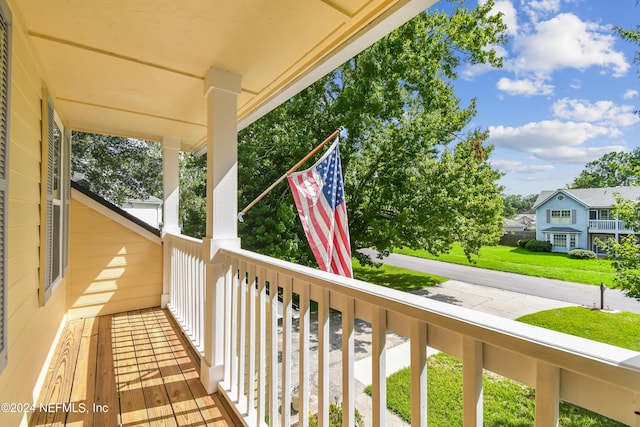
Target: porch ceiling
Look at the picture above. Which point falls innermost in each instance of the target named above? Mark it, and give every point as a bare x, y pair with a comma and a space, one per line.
137, 68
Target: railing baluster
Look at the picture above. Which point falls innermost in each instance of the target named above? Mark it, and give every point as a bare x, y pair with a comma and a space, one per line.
323, 359
200, 301
547, 394
230, 275
262, 344
472, 365
378, 365
286, 351
418, 373
348, 381
303, 364
273, 355
235, 331
251, 348
242, 336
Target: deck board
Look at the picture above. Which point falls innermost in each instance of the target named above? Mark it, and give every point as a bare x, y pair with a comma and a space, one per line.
132, 368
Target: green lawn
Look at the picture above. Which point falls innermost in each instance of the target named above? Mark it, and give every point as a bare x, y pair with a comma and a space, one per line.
619, 329
507, 402
540, 264
395, 277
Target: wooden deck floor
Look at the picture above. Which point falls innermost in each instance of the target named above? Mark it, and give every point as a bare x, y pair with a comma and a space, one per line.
128, 369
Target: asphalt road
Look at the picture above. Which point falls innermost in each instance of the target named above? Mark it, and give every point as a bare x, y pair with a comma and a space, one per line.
574, 293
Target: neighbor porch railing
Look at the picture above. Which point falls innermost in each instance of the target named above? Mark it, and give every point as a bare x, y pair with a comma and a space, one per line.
610, 225
184, 259
262, 360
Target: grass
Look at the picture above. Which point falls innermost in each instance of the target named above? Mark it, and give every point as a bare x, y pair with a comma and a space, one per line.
550, 265
507, 402
619, 329
395, 277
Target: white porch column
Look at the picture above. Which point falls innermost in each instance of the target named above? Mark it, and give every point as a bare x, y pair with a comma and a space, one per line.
171, 196
221, 89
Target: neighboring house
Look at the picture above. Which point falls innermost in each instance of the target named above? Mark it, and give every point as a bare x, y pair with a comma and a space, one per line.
527, 219
148, 210
511, 225
576, 218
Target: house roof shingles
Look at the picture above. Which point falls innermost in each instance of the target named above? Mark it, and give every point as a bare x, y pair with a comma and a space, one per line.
594, 197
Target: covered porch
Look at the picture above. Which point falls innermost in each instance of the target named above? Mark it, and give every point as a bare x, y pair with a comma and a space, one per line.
190, 76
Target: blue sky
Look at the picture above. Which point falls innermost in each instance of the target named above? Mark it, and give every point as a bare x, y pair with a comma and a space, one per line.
566, 94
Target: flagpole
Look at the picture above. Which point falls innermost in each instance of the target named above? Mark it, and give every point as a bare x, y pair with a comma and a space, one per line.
289, 172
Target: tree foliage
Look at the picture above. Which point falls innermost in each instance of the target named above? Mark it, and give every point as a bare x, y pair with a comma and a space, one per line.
117, 168
515, 204
626, 253
413, 175
611, 170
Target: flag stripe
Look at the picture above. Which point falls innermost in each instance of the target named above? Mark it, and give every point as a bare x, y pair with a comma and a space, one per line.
319, 196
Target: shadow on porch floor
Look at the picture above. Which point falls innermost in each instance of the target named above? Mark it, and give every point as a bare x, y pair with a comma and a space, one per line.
126, 369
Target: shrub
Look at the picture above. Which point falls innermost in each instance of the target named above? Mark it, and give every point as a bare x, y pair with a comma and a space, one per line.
523, 242
582, 254
538, 246
335, 417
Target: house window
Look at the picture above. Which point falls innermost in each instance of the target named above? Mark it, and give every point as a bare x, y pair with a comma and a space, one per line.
572, 241
561, 216
55, 197
5, 84
560, 240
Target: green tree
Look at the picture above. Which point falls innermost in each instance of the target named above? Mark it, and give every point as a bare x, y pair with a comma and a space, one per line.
413, 175
611, 170
117, 168
515, 204
626, 253
193, 193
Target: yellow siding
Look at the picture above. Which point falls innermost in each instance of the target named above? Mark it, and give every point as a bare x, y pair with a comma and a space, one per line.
32, 329
113, 269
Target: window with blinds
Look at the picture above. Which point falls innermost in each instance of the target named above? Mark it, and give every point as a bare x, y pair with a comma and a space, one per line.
55, 199
5, 84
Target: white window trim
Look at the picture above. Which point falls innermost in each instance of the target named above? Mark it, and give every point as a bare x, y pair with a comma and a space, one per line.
48, 283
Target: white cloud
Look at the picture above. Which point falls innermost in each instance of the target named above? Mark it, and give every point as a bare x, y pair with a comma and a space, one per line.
575, 154
575, 84
630, 94
524, 87
535, 9
515, 166
509, 15
545, 134
565, 41
555, 140
605, 113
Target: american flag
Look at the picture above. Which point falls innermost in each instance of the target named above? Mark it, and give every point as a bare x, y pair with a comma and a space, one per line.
319, 195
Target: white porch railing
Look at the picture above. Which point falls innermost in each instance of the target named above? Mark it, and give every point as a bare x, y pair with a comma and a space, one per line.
262, 361
183, 256
610, 225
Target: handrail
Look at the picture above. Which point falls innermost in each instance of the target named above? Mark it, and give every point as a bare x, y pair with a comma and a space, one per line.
597, 376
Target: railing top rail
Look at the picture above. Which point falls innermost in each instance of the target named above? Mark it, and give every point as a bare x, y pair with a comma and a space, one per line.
171, 235
556, 348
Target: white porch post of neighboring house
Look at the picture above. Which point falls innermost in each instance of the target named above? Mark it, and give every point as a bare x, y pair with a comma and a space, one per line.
171, 196
221, 89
